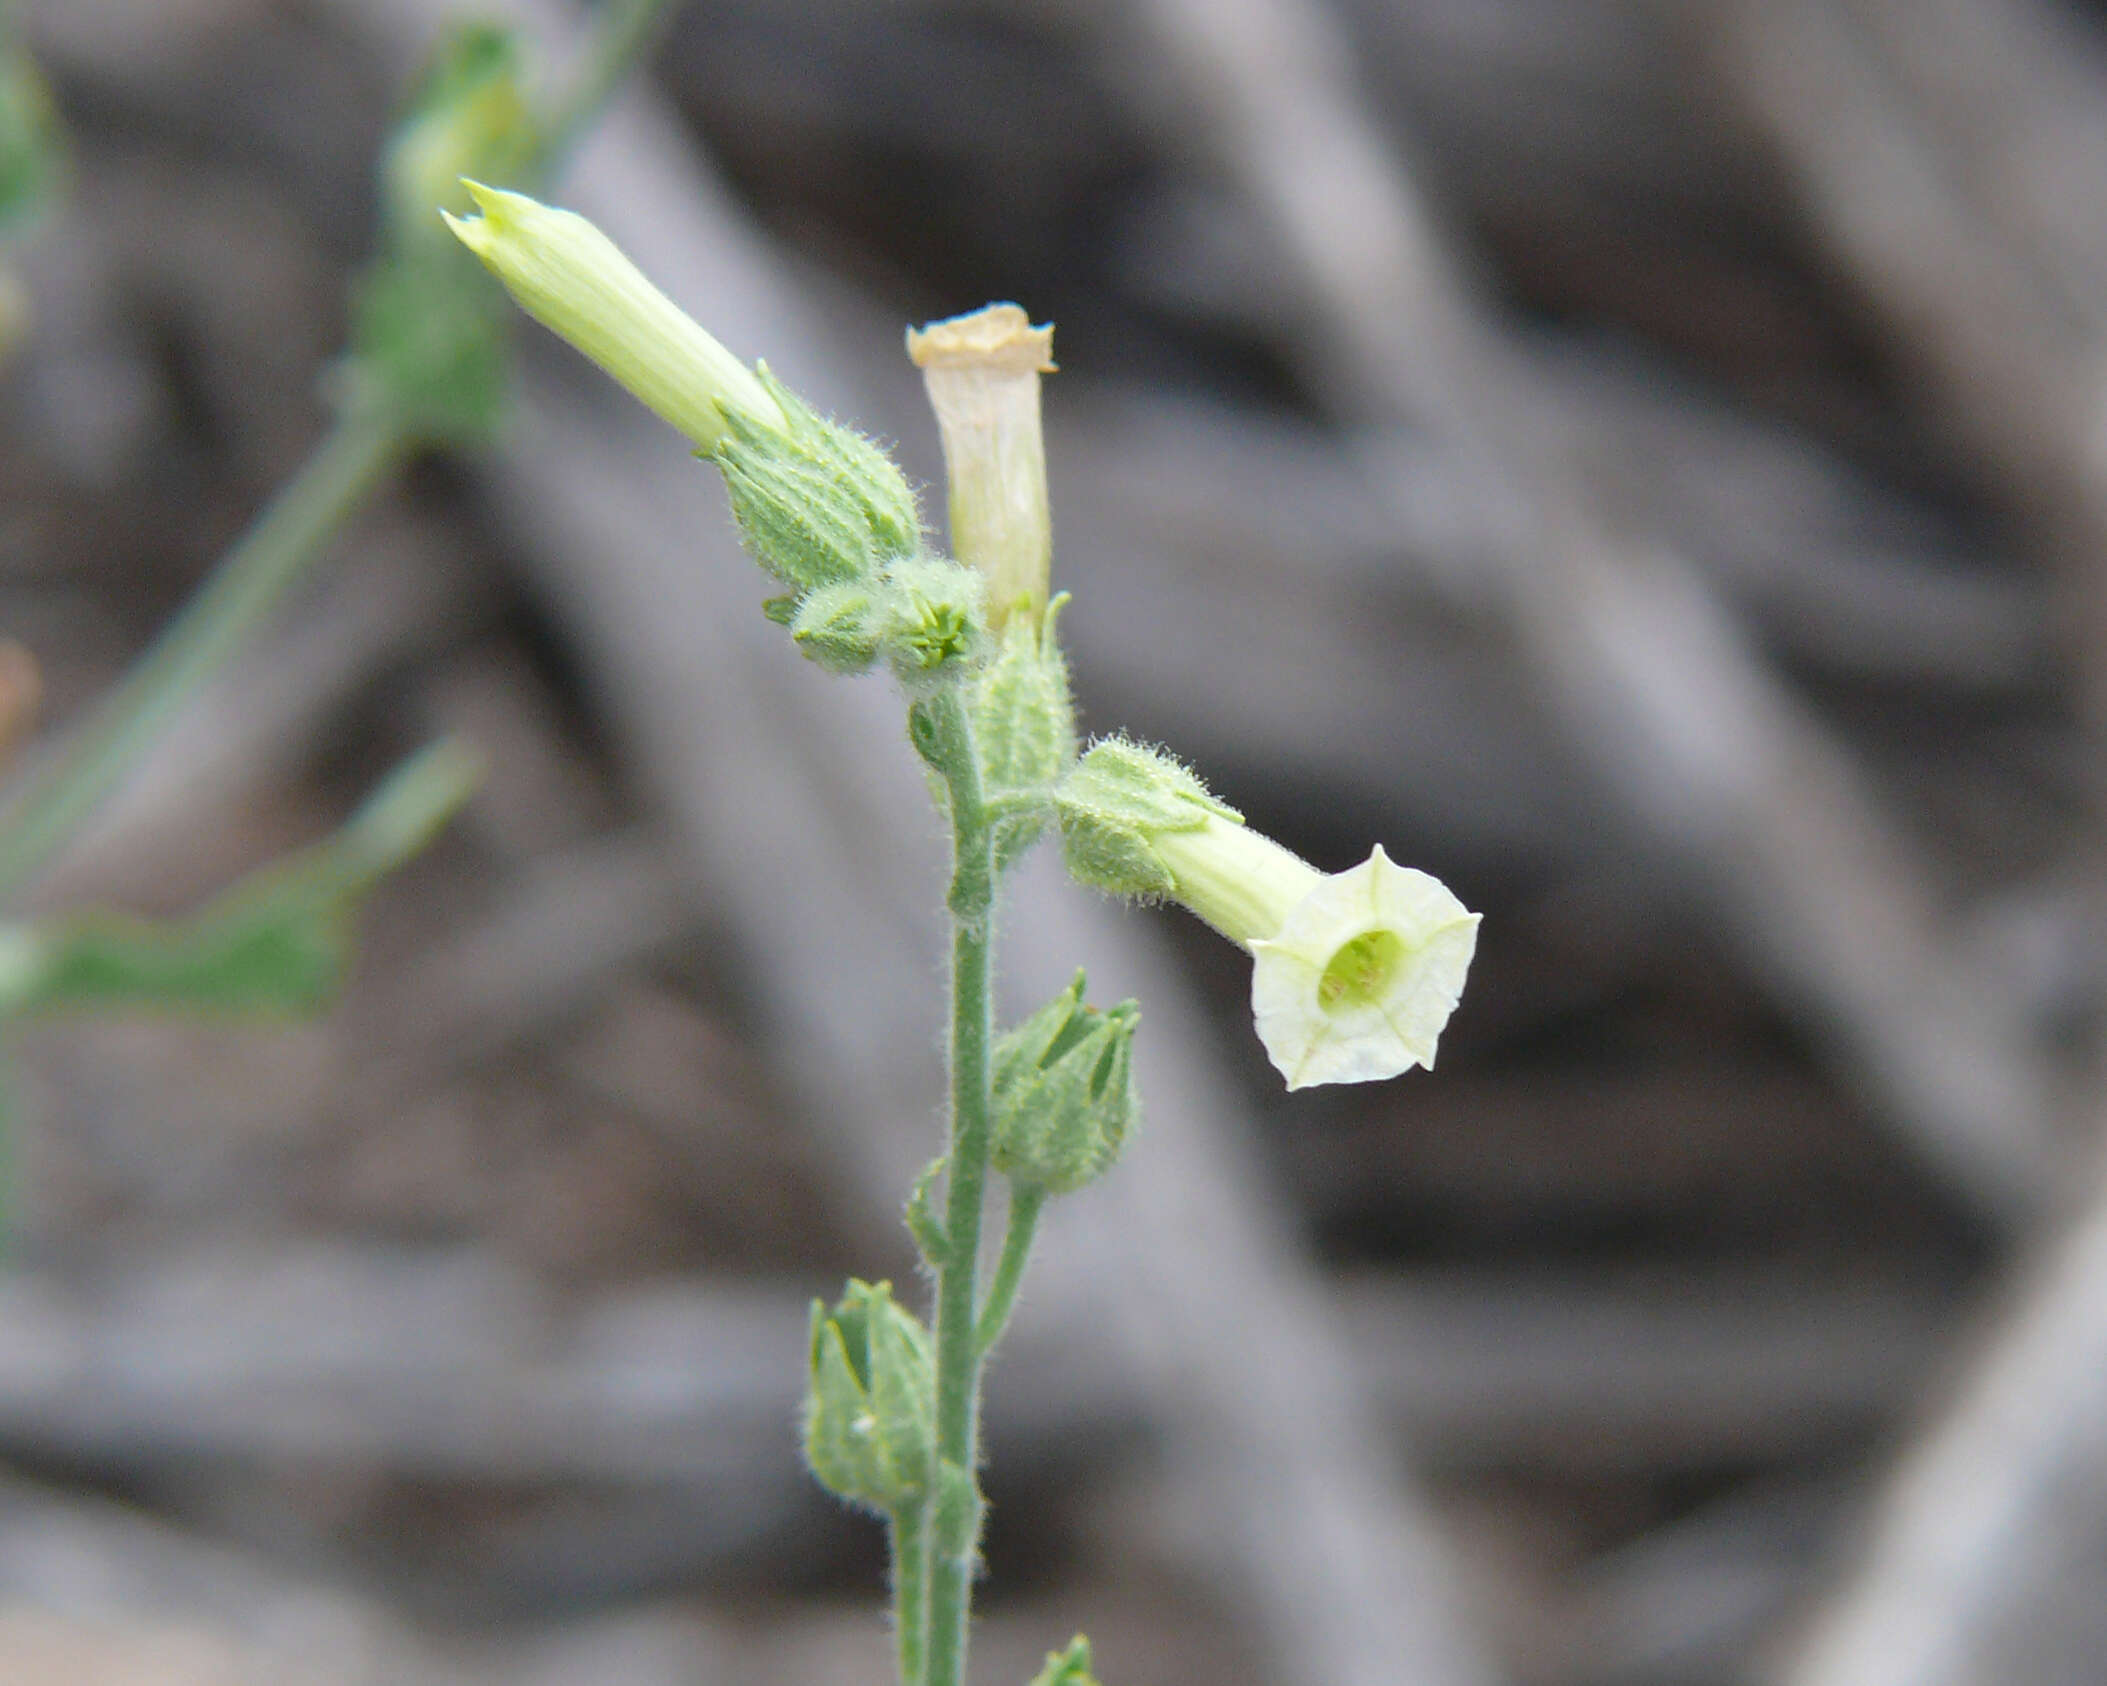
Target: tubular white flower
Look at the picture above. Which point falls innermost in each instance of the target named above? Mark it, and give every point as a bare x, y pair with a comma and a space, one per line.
1355, 973
1362, 975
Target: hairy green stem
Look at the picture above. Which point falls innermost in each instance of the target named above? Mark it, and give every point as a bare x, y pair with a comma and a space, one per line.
269, 559
907, 1535
955, 1538
1025, 1206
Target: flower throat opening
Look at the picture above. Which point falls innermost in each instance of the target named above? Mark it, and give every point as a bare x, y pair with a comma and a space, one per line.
1360, 972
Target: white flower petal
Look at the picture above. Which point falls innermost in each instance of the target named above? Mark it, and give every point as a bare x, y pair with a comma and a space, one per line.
1387, 999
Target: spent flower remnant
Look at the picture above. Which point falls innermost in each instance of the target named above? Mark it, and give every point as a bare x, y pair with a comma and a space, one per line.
982, 373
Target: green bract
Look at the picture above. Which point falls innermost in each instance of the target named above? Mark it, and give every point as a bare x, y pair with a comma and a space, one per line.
1116, 808
1067, 1668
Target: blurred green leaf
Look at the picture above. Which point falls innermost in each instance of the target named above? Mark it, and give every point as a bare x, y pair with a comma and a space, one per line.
279, 941
32, 149
428, 326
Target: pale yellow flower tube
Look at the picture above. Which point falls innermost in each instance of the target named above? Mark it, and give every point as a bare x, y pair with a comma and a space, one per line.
575, 282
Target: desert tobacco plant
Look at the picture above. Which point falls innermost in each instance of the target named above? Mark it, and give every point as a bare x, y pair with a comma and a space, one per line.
1354, 973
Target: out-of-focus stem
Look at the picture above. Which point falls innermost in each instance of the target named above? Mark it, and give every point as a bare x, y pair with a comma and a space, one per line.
270, 558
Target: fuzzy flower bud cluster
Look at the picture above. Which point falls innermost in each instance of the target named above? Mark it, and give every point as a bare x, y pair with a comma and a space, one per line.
820, 507
1354, 973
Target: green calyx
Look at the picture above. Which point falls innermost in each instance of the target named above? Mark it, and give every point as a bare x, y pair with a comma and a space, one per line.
870, 1405
827, 513
817, 503
837, 626
1118, 804
930, 625
1067, 1668
1064, 1093
1024, 727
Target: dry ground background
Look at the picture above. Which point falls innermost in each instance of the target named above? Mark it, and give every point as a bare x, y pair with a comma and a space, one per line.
1645, 461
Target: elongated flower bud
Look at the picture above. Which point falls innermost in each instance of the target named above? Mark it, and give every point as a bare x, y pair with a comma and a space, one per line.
1354, 973
575, 281
982, 371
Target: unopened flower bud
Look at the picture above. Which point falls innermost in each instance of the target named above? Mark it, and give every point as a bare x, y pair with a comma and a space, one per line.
575, 281
870, 1408
817, 504
982, 371
1354, 973
1064, 1093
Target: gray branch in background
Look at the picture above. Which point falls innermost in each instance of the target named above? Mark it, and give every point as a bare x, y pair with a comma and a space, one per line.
453, 1364
1326, 596
90, 1591
1982, 1566
1940, 152
1634, 652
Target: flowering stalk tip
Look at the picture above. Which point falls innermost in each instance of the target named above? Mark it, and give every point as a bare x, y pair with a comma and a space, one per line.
576, 282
